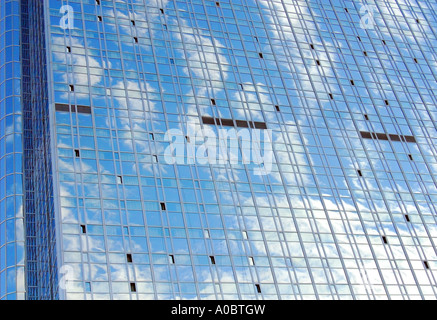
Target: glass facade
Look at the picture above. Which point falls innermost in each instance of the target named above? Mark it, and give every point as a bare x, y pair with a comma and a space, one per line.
12, 240
41, 262
233, 149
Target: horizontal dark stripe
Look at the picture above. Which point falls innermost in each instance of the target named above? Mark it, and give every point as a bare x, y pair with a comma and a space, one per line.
66, 108
62, 107
386, 137
208, 120
395, 137
242, 124
366, 135
260, 125
410, 139
83, 109
382, 136
227, 122
237, 123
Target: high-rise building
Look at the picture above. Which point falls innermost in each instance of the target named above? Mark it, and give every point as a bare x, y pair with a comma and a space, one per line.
231, 149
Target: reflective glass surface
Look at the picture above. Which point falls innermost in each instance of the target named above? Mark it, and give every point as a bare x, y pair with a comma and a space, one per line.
12, 242
41, 261
342, 94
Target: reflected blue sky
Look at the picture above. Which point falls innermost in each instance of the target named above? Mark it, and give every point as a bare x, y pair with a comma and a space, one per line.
337, 216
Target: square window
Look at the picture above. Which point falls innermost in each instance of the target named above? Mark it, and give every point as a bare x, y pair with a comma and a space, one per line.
133, 287
251, 261
171, 259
